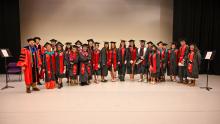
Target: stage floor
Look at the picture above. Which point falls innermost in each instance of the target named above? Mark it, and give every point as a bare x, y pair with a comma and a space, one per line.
113, 103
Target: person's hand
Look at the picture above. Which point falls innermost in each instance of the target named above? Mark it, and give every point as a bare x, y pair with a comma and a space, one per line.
131, 61
118, 63
125, 61
23, 68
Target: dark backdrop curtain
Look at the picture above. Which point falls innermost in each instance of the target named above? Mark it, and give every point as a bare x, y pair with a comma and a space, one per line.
198, 21
9, 29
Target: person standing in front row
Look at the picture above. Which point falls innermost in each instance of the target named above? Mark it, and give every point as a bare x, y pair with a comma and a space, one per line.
154, 60
104, 61
96, 59
113, 61
132, 54
85, 70
183, 52
74, 63
172, 62
49, 65
193, 64
60, 63
142, 61
122, 55
30, 61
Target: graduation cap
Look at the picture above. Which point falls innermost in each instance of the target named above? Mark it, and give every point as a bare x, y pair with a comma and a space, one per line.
59, 44
35, 38
85, 45
143, 41
131, 40
149, 42
90, 40
165, 44
68, 43
173, 43
78, 42
30, 39
159, 43
106, 42
182, 39
123, 41
47, 43
53, 40
97, 43
112, 42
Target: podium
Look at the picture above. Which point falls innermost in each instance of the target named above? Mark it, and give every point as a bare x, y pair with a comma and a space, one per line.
5, 53
209, 56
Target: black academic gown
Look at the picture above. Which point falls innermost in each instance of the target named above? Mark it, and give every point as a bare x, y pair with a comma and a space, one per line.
103, 62
122, 66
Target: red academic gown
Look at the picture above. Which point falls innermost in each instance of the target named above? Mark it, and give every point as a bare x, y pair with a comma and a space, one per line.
28, 59
96, 60
60, 58
50, 69
113, 59
73, 59
154, 60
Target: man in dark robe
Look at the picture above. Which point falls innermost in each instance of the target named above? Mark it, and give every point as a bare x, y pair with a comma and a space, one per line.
85, 70
172, 62
103, 62
183, 52
141, 61
122, 53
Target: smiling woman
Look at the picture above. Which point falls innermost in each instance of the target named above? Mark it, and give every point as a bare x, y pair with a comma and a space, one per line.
70, 20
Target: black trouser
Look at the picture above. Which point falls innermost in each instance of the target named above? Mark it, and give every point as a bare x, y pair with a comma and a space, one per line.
182, 72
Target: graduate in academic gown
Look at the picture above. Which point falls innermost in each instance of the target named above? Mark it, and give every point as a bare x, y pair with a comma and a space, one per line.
90, 51
78, 43
49, 65
30, 61
113, 66
154, 60
67, 53
193, 64
96, 59
74, 63
122, 55
53, 43
85, 69
104, 61
172, 62
183, 53
148, 51
162, 53
141, 61
132, 54
60, 63
40, 51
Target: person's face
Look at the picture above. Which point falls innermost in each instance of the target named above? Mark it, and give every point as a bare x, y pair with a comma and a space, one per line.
173, 46
37, 41
53, 43
142, 44
112, 45
122, 44
149, 45
131, 43
59, 47
74, 49
106, 45
31, 43
90, 43
192, 47
48, 47
85, 48
183, 42
68, 46
164, 46
153, 48
160, 45
97, 46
